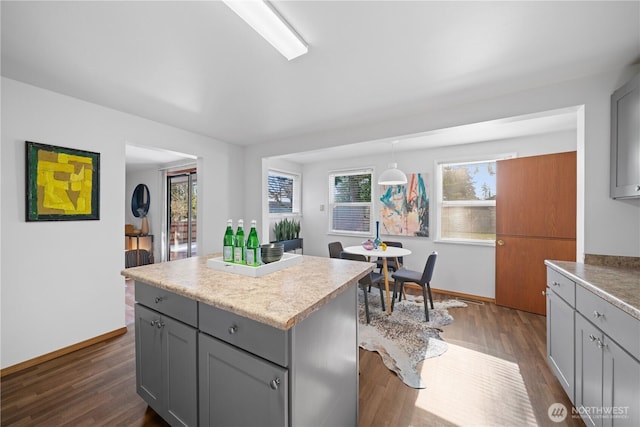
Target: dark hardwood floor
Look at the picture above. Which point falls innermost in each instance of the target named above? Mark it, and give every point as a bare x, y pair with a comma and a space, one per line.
494, 373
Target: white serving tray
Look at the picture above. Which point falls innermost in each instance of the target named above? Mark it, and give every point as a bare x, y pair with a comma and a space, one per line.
287, 260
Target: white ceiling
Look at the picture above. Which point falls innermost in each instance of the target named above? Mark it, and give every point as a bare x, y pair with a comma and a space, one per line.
512, 127
197, 66
139, 158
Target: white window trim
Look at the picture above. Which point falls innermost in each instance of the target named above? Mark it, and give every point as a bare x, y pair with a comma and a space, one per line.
440, 203
296, 207
330, 204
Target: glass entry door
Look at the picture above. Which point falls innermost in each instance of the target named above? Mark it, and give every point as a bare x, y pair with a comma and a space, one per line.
182, 203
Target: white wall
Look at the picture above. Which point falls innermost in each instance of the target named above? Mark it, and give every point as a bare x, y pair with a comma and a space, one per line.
61, 281
610, 227
467, 269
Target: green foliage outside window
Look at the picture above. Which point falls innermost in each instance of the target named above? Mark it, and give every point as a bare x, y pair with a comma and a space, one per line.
459, 181
352, 188
179, 197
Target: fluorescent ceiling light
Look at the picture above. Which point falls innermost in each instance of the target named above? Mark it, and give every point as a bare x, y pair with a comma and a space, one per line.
263, 18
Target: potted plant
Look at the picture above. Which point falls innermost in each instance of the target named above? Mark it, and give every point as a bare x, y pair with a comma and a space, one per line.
287, 232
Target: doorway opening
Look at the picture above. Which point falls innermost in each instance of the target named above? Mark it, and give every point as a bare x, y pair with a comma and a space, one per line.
182, 202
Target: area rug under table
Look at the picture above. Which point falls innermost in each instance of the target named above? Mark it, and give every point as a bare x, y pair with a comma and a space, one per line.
403, 339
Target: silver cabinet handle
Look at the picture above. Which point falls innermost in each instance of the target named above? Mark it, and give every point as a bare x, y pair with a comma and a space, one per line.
554, 283
275, 383
592, 337
600, 344
158, 299
233, 329
544, 293
597, 315
157, 323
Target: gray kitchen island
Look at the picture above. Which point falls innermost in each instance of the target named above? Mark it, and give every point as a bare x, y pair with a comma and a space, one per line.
218, 348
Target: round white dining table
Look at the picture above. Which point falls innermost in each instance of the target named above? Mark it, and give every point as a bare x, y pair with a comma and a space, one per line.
390, 252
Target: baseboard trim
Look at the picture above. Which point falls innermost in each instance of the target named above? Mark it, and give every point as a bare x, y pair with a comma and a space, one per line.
66, 350
463, 296
460, 295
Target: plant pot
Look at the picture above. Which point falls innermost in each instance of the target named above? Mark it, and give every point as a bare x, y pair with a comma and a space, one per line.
291, 245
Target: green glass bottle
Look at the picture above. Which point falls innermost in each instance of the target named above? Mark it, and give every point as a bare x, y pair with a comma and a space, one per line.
253, 246
238, 248
227, 244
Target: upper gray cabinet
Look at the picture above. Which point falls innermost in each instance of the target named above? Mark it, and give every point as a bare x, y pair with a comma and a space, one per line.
625, 140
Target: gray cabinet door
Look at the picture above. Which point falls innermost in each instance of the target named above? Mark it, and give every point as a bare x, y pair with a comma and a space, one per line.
588, 370
238, 388
621, 389
560, 342
180, 368
166, 366
148, 357
625, 140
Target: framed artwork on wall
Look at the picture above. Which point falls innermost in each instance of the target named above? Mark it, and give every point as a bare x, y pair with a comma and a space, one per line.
62, 184
405, 208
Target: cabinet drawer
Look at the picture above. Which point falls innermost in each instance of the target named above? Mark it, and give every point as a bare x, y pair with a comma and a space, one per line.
620, 326
166, 302
263, 340
562, 285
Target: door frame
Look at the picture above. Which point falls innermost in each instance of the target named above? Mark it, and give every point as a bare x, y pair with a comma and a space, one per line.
190, 174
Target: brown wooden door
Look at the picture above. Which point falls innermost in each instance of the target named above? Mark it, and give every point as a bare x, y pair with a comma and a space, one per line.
535, 220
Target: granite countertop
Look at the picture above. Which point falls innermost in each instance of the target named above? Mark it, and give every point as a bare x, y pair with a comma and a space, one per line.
280, 299
619, 286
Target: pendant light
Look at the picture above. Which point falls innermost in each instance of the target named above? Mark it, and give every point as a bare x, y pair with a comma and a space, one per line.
393, 175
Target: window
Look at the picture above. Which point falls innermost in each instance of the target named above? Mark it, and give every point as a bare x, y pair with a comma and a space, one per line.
284, 192
350, 202
467, 201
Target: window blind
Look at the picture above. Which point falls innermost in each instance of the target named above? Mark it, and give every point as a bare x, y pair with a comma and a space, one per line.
351, 201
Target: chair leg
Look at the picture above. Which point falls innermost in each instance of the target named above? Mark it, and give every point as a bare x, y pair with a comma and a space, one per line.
393, 298
424, 297
430, 297
366, 303
384, 307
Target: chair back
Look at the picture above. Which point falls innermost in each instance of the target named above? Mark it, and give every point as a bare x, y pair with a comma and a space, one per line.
335, 248
131, 258
428, 268
395, 245
353, 257
366, 280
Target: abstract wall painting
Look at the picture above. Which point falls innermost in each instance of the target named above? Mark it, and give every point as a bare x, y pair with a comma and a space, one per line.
405, 208
62, 184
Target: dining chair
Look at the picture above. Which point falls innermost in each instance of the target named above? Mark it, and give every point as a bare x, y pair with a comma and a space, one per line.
136, 257
423, 279
335, 248
367, 281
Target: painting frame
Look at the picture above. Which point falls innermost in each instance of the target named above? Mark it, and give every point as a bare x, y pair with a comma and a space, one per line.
62, 184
